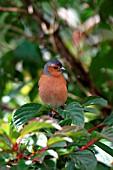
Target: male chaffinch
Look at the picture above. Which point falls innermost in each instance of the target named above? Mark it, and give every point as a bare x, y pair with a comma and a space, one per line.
52, 85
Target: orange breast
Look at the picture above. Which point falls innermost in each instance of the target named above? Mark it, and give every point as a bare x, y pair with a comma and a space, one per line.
53, 90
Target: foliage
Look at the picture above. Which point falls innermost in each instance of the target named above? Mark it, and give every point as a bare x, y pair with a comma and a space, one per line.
79, 34
43, 140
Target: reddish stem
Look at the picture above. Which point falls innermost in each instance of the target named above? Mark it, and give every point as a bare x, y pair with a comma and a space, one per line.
100, 125
87, 145
15, 147
56, 113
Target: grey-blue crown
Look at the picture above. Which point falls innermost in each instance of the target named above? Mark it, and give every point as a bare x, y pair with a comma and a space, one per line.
54, 61
48, 64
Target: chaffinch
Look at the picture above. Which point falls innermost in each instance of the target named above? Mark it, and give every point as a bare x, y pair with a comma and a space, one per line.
52, 85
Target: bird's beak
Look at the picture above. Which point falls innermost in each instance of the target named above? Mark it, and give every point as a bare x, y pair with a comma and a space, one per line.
62, 69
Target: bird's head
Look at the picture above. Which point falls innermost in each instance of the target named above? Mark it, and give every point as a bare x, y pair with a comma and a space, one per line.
53, 68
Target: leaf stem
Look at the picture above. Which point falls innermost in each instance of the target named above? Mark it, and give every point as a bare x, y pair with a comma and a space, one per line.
100, 125
87, 145
56, 113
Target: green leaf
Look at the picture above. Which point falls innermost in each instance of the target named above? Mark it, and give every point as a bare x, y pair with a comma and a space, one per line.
101, 166
44, 109
103, 156
58, 139
85, 160
73, 131
104, 147
5, 128
90, 110
96, 134
109, 120
47, 8
94, 100
2, 160
66, 122
22, 165
13, 133
107, 133
99, 67
59, 145
70, 165
5, 157
28, 51
106, 5
39, 123
25, 113
49, 164
77, 134
73, 111
5, 142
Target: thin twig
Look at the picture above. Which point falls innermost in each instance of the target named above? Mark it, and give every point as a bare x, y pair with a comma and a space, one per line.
13, 9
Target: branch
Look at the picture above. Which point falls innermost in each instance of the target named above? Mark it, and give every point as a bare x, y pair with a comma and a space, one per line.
75, 64
13, 9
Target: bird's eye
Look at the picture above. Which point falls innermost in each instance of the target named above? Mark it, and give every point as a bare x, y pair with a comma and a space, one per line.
55, 68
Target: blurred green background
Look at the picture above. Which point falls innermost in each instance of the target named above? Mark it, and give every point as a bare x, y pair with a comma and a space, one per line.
78, 33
